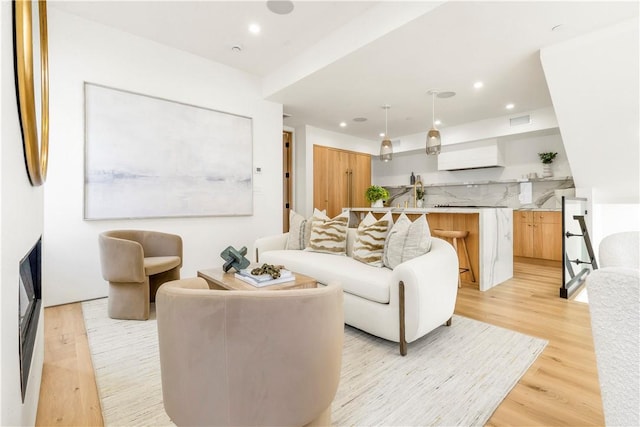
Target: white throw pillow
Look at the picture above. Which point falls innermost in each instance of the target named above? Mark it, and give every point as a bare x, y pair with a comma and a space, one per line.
297, 223
330, 235
370, 239
407, 240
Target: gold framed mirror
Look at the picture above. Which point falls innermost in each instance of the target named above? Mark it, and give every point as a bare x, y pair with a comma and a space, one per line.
32, 84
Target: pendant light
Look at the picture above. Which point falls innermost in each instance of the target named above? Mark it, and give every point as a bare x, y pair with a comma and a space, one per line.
386, 148
433, 136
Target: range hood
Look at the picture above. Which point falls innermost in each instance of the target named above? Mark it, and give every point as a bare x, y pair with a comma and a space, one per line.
471, 155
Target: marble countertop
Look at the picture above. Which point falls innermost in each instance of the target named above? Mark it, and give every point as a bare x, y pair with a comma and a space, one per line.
450, 209
538, 209
485, 182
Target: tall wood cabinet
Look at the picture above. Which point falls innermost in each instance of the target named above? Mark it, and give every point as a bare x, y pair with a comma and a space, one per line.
340, 179
537, 234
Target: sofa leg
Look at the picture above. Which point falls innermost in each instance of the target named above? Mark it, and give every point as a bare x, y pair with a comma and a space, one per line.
448, 322
402, 340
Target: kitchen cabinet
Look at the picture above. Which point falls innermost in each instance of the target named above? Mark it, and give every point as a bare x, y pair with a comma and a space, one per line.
537, 234
340, 179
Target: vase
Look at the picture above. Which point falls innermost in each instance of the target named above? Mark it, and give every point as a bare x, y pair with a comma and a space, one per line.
377, 204
419, 203
546, 170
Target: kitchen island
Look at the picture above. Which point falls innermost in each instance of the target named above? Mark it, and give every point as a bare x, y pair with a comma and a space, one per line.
490, 240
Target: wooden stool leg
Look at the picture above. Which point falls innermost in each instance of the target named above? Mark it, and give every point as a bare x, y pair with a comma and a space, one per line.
455, 246
466, 254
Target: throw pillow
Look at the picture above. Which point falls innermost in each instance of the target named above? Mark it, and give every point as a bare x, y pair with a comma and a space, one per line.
318, 215
330, 235
407, 240
297, 223
300, 229
370, 238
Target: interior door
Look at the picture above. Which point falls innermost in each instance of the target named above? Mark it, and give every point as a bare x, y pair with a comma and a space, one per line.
339, 180
320, 177
287, 178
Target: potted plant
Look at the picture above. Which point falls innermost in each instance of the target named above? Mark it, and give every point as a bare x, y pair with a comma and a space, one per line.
419, 196
547, 159
376, 194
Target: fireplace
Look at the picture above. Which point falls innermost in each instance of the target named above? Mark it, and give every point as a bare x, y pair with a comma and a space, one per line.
29, 304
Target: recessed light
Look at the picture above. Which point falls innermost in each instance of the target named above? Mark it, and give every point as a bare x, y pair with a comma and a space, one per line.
381, 134
509, 106
343, 124
254, 28
236, 48
437, 122
360, 119
557, 27
280, 7
478, 85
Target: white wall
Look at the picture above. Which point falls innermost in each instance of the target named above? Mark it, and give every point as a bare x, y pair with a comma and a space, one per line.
81, 51
594, 86
520, 156
21, 224
310, 136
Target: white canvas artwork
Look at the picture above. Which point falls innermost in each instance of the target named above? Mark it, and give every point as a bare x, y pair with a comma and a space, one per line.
148, 157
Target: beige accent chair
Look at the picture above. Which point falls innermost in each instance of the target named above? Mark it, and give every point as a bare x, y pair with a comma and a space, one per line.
136, 263
249, 358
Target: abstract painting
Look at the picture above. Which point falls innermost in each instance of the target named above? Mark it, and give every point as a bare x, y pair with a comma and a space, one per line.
147, 157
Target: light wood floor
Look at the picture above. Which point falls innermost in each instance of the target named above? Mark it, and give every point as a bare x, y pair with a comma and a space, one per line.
560, 388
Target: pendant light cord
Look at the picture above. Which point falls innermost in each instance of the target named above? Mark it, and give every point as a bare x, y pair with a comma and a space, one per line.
386, 128
433, 110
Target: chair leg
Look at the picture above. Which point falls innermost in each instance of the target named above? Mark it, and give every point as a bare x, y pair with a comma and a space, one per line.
466, 254
402, 340
455, 246
448, 322
129, 301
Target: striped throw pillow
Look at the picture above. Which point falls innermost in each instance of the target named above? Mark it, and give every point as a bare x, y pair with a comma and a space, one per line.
330, 235
370, 237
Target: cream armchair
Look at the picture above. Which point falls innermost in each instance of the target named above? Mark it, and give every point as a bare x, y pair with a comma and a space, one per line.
136, 263
240, 358
615, 322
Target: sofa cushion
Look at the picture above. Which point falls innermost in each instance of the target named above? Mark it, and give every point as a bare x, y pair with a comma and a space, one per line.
370, 239
407, 240
356, 278
330, 235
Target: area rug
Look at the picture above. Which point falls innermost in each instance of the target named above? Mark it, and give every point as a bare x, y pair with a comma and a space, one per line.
454, 376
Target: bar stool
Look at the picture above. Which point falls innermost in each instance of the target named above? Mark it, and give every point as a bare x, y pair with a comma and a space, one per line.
454, 235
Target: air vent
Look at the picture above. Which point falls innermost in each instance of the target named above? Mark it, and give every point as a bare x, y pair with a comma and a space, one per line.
522, 120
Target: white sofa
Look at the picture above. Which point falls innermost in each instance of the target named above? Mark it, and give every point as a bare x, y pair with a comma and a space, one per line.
399, 305
614, 305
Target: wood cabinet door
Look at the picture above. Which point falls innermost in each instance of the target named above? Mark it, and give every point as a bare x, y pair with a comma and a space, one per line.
547, 230
338, 180
522, 234
320, 177
360, 166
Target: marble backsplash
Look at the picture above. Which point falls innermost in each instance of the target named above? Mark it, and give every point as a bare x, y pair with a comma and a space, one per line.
488, 193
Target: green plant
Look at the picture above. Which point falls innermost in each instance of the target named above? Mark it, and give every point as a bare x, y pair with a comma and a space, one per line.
419, 193
547, 157
375, 193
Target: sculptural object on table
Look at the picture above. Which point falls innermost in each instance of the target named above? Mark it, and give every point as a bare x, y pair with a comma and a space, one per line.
234, 258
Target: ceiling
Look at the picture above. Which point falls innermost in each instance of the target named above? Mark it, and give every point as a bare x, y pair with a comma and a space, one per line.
449, 47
